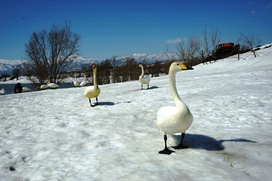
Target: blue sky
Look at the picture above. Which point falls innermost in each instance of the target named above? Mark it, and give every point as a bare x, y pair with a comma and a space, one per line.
121, 27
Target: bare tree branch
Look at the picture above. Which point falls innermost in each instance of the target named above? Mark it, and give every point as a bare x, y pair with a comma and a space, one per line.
251, 41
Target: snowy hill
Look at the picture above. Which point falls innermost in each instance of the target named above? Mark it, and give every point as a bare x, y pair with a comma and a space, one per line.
56, 135
6, 66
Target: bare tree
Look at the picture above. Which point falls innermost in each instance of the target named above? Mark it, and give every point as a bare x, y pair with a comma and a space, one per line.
208, 44
16, 71
188, 50
4, 76
205, 52
104, 73
215, 40
115, 63
169, 56
129, 69
251, 41
49, 52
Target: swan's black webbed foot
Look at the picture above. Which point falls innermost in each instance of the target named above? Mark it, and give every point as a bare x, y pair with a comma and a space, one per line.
166, 151
181, 146
93, 105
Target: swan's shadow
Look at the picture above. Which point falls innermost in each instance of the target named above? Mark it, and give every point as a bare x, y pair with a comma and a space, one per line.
106, 103
153, 87
196, 141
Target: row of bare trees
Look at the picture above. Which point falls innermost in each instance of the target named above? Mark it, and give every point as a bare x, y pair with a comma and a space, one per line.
195, 50
115, 70
49, 53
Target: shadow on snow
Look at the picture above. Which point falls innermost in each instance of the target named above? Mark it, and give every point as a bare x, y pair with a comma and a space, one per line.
196, 141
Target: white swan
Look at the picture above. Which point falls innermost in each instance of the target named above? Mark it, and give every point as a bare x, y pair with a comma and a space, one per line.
25, 89
92, 91
2, 91
43, 87
174, 119
144, 79
84, 82
76, 83
52, 85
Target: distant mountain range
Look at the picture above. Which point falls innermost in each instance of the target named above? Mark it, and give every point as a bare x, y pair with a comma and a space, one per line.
6, 66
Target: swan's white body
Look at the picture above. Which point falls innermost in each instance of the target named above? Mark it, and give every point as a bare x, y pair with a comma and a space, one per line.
76, 83
25, 89
43, 87
144, 79
92, 91
83, 83
171, 119
178, 118
52, 85
2, 91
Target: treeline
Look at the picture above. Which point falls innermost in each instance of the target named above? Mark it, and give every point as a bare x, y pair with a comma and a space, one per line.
115, 70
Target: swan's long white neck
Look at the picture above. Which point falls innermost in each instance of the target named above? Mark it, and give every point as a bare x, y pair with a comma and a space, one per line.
94, 77
173, 89
142, 70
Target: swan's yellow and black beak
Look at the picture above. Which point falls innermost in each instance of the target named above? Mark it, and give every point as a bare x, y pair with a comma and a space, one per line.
184, 67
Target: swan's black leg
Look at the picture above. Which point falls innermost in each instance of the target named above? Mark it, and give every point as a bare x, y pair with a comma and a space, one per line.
93, 105
90, 102
96, 101
166, 150
147, 86
180, 146
141, 86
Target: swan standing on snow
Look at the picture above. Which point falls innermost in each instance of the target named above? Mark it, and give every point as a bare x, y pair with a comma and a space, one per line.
92, 91
144, 79
174, 119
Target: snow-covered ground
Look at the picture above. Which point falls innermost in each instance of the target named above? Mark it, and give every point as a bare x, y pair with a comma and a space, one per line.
56, 135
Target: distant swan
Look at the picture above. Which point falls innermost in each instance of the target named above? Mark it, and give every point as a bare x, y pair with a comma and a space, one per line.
144, 79
52, 85
76, 83
174, 119
92, 91
84, 82
2, 91
43, 87
25, 89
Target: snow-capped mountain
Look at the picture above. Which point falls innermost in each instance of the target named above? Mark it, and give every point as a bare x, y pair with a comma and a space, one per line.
6, 66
